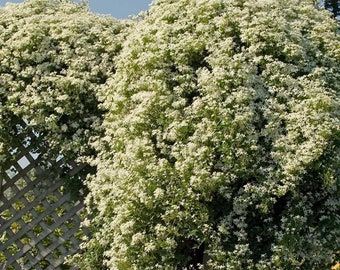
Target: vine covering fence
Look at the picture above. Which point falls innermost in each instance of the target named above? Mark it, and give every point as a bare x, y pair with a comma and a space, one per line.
39, 219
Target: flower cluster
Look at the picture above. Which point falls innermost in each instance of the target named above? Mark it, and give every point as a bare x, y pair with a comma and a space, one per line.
221, 146
54, 57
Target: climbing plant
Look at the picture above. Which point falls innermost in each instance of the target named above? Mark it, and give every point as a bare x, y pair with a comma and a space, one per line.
221, 146
54, 57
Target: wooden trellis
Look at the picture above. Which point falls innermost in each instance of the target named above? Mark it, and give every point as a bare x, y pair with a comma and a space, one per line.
39, 221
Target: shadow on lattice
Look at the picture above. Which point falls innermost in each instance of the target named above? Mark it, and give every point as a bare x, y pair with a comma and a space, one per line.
39, 219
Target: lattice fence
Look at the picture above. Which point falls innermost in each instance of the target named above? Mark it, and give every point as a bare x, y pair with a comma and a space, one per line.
39, 221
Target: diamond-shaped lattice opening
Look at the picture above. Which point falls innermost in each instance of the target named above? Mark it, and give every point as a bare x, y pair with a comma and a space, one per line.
35, 155
27, 217
18, 205
27, 141
6, 214
47, 241
52, 198
68, 245
9, 193
49, 220
20, 183
13, 150
30, 196
25, 240
44, 264
56, 254
34, 251
23, 261
40, 208
13, 249
60, 211
2, 257
4, 237
11, 172
69, 224
15, 227
33, 174
37, 230
79, 235
23, 162
58, 232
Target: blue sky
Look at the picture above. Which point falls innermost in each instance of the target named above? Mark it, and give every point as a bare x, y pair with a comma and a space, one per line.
117, 8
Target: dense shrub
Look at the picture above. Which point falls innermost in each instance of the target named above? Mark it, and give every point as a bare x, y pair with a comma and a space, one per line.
222, 140
54, 56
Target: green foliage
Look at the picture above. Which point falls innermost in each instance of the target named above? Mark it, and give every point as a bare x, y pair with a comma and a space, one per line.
221, 146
